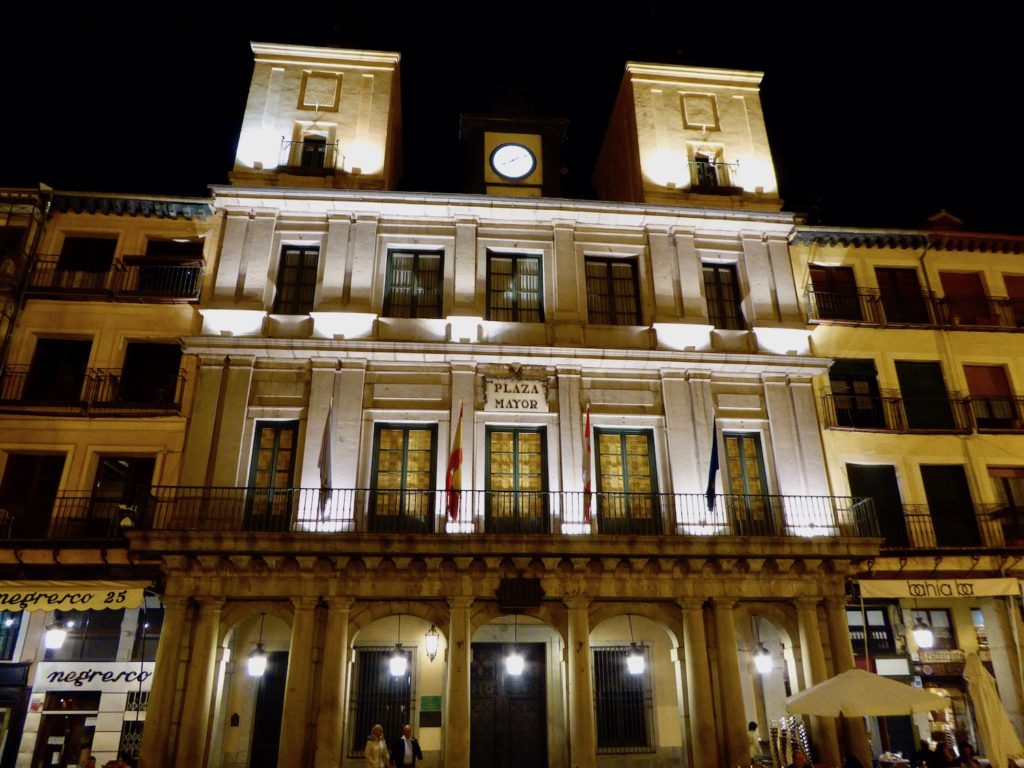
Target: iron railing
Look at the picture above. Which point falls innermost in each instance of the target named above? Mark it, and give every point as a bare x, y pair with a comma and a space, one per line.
888, 412
81, 514
998, 414
98, 391
713, 175
138, 281
980, 525
870, 307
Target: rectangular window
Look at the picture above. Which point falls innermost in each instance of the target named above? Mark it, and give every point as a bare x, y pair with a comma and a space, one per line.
835, 294
939, 621
925, 400
722, 291
750, 504
622, 701
516, 480
120, 481
92, 636
612, 295
57, 372
296, 280
856, 401
378, 696
170, 269
87, 254
147, 634
414, 284
993, 405
271, 476
878, 483
950, 505
627, 483
402, 499
880, 637
1008, 483
965, 300
1015, 292
27, 493
10, 625
149, 379
514, 288
902, 299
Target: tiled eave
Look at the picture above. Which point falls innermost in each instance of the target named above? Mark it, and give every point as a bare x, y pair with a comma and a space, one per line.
132, 205
936, 241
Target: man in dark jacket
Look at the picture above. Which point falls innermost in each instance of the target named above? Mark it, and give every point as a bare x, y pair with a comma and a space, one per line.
406, 750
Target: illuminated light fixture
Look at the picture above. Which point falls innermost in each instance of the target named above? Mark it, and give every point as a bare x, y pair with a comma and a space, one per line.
56, 633
923, 635
635, 663
431, 641
257, 661
126, 515
762, 658
9, 622
398, 663
514, 662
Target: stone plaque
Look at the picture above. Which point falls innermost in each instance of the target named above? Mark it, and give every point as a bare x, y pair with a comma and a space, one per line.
518, 395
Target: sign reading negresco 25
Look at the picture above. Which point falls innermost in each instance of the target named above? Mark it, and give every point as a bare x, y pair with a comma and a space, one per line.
515, 395
69, 595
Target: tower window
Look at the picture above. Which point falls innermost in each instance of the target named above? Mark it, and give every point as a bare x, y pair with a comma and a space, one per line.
722, 291
414, 284
296, 280
514, 288
612, 296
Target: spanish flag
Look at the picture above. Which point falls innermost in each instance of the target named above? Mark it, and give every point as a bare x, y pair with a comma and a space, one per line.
453, 478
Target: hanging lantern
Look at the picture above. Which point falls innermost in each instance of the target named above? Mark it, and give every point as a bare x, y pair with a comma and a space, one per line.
257, 661
431, 641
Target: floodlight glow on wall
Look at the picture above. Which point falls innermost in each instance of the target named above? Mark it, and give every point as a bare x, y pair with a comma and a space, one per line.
257, 661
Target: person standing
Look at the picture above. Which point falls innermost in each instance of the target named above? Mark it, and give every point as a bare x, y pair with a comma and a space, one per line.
376, 751
407, 749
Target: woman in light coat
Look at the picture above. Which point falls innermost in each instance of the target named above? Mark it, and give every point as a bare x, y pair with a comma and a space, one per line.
376, 751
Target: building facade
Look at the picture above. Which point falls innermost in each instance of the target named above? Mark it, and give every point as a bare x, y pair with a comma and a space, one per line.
593, 364
920, 412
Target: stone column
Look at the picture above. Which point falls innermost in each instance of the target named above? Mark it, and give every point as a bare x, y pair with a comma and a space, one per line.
582, 728
195, 717
234, 404
160, 711
330, 721
823, 729
295, 716
456, 724
734, 726
842, 658
698, 679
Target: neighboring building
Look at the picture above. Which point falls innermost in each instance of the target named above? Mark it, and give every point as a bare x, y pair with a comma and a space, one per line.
922, 412
350, 331
94, 397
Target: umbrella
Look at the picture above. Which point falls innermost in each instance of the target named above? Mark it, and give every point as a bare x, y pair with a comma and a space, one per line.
997, 735
856, 693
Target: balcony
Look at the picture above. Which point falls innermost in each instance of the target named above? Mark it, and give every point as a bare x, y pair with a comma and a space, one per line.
309, 156
103, 392
344, 511
998, 414
714, 177
981, 526
889, 412
136, 281
870, 308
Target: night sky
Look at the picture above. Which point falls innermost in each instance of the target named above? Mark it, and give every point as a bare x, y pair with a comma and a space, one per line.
876, 117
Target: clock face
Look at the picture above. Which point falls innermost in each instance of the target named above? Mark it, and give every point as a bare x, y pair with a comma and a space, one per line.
513, 161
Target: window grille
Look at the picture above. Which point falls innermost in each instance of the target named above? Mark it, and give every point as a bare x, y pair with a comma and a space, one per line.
378, 696
623, 702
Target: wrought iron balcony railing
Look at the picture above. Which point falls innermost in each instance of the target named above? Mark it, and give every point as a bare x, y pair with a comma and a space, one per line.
99, 391
997, 414
889, 412
714, 176
341, 511
137, 281
870, 307
310, 155
980, 525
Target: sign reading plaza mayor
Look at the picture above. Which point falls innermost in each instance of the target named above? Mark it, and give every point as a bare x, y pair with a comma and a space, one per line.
939, 587
515, 394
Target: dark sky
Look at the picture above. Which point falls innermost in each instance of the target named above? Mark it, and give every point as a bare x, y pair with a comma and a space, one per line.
876, 117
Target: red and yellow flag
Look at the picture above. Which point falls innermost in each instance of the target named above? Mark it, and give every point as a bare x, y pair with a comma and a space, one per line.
453, 477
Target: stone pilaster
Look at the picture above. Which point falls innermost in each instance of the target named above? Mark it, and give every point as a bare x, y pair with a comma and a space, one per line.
160, 710
582, 728
330, 718
456, 726
823, 729
195, 717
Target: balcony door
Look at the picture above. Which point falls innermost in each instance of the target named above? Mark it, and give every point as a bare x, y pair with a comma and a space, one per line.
402, 499
950, 505
516, 480
855, 395
992, 402
27, 492
269, 500
878, 483
627, 483
902, 299
750, 504
966, 299
835, 293
925, 399
120, 481
57, 373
